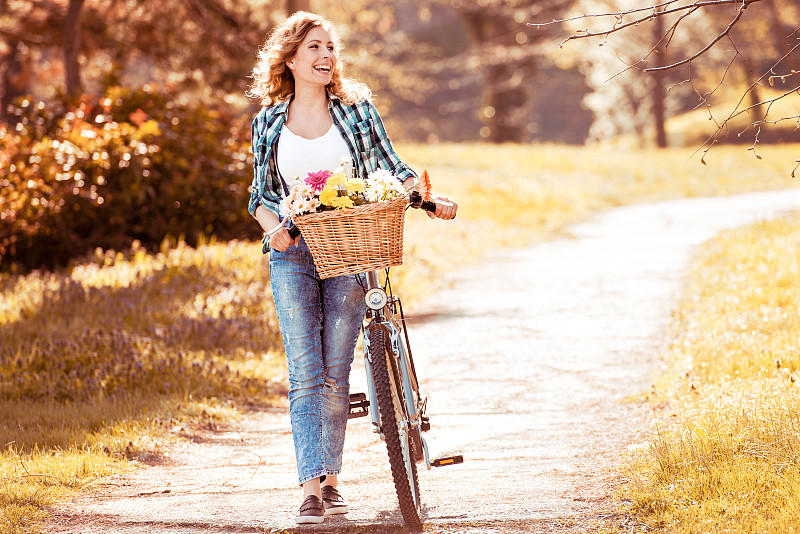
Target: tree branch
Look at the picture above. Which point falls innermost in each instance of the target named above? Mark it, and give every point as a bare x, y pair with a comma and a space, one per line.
714, 138
652, 10
705, 96
759, 104
623, 20
709, 45
781, 76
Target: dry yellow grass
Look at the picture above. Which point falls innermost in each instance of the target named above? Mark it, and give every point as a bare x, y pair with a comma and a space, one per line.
99, 362
32, 481
730, 459
510, 195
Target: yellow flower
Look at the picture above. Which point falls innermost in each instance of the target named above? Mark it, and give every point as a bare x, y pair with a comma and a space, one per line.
341, 202
337, 180
355, 185
327, 195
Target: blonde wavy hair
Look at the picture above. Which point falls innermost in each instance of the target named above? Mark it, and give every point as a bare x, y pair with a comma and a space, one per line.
273, 82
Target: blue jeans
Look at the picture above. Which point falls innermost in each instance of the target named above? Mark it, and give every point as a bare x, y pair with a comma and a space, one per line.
320, 321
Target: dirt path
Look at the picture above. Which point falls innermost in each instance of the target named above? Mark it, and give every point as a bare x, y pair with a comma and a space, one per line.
525, 359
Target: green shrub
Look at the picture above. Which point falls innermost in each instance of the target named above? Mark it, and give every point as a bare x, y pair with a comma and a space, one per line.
128, 165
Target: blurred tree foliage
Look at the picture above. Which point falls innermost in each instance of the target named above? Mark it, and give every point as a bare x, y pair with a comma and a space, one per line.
123, 118
203, 45
461, 70
468, 70
505, 52
116, 164
119, 168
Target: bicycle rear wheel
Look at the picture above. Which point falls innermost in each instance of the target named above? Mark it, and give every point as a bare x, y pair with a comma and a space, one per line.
391, 403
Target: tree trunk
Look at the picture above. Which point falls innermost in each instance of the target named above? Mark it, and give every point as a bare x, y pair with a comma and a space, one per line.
72, 47
506, 103
504, 99
784, 38
9, 64
16, 71
293, 6
659, 93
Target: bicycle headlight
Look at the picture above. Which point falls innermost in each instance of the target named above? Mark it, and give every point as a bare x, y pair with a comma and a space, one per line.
376, 298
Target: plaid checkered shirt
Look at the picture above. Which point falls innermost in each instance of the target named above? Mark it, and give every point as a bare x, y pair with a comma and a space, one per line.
360, 126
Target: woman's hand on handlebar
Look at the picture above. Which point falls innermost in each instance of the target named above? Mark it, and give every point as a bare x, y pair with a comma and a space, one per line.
445, 208
281, 240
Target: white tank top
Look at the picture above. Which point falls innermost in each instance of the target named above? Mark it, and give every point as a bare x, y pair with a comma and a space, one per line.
298, 156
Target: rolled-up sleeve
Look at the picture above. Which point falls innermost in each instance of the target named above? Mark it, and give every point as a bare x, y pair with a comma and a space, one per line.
263, 191
387, 157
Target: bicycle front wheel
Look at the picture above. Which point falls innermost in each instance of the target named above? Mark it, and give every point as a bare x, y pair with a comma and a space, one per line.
395, 426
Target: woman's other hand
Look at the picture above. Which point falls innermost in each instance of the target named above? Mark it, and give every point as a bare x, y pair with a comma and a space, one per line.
445, 208
281, 240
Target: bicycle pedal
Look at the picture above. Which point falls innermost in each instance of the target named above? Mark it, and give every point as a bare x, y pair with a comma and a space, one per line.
448, 460
359, 405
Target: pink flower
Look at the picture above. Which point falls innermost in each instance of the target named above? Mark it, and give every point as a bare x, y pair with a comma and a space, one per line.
318, 179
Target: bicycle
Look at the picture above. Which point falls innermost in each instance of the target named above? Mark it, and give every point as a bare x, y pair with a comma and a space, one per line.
393, 386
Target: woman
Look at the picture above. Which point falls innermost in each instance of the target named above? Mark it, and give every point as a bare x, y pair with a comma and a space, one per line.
312, 118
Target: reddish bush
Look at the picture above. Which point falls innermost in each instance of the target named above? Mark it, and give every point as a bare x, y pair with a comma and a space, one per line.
129, 165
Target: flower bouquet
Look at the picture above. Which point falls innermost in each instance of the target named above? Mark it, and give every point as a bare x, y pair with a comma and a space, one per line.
337, 189
350, 225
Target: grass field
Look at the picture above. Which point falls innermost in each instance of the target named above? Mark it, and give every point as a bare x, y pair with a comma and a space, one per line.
107, 362
511, 195
727, 458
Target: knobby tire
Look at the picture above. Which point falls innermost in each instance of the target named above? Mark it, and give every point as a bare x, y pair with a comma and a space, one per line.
390, 402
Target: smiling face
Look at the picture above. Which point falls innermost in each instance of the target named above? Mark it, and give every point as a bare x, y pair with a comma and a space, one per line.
315, 58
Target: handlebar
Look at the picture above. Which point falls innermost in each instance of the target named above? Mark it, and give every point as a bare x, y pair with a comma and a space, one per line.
414, 200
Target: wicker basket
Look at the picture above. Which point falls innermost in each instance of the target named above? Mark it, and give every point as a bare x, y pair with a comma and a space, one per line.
355, 240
